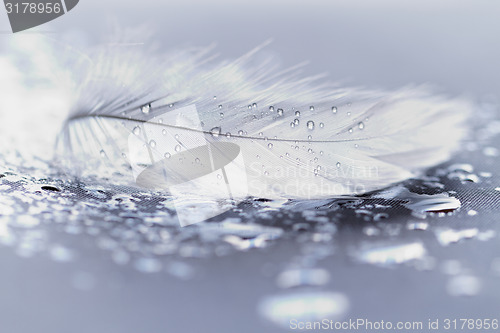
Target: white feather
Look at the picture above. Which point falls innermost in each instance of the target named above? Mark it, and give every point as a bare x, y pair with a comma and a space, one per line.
374, 139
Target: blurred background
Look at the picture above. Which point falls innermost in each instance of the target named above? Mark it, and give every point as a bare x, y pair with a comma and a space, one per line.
76, 259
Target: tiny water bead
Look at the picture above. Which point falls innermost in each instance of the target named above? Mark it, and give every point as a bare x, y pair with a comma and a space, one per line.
311, 108
337, 165
280, 112
177, 148
271, 108
270, 145
220, 106
297, 113
137, 130
296, 121
321, 125
292, 124
152, 143
221, 114
146, 108
215, 131
254, 105
167, 155
361, 125
240, 132
350, 130
310, 125
334, 109
164, 132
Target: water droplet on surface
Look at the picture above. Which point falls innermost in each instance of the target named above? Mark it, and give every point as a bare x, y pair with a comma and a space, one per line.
177, 148
148, 265
302, 277
334, 109
337, 165
447, 236
361, 125
280, 112
137, 130
164, 132
254, 105
387, 255
292, 124
270, 145
310, 125
102, 153
321, 125
240, 132
296, 121
463, 285
271, 108
145, 108
297, 113
152, 143
350, 130
311, 108
303, 306
216, 131
167, 155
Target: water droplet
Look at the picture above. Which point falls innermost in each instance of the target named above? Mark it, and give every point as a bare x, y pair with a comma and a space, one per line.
270, 145
254, 105
102, 153
215, 97
148, 265
197, 160
221, 114
271, 108
228, 134
388, 255
311, 108
361, 125
297, 113
303, 307
152, 143
171, 105
167, 155
310, 125
220, 106
249, 107
164, 132
296, 121
334, 109
261, 134
337, 165
321, 125
303, 277
447, 236
137, 130
292, 124
350, 130
348, 113
280, 112
240, 132
177, 148
145, 108
309, 137
463, 285
215, 131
